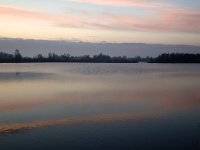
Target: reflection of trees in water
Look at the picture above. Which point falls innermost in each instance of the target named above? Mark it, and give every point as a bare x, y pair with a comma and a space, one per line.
17, 73
10, 76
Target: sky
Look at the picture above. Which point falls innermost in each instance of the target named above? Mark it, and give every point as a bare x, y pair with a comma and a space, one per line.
112, 21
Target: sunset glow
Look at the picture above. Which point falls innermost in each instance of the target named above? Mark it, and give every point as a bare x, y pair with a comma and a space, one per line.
168, 22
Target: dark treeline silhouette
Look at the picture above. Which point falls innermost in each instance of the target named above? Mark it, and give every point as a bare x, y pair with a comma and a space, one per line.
101, 58
52, 57
176, 58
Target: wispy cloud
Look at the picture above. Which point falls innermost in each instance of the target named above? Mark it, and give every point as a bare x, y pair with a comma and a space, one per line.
35, 16
107, 19
23, 13
161, 21
173, 20
121, 3
183, 21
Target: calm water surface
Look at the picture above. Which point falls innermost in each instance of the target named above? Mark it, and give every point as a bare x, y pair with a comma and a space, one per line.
99, 106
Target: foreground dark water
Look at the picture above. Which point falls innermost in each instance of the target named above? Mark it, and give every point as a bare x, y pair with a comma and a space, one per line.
99, 106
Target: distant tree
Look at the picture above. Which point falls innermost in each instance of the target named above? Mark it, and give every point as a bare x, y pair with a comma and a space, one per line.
55, 57
18, 56
177, 58
39, 58
101, 58
4, 57
50, 57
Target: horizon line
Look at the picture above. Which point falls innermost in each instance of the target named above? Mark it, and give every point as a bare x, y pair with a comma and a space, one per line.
95, 42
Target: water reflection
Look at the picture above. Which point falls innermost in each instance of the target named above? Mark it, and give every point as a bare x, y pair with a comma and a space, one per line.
20, 76
66, 94
20, 127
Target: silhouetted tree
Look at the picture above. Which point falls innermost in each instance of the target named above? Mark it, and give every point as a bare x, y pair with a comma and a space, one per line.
50, 57
177, 58
18, 56
101, 58
4, 57
39, 58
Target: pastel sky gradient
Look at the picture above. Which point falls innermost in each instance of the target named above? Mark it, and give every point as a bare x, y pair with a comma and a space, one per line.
136, 21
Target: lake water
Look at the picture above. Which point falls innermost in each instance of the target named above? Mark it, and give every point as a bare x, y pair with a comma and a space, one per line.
99, 106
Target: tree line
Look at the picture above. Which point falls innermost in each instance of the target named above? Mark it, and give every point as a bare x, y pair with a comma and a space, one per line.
52, 57
176, 58
17, 57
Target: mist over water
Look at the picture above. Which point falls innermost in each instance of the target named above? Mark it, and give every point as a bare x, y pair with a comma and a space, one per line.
99, 106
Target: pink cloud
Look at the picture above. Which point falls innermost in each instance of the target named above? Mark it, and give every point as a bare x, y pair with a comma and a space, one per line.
186, 21
173, 20
35, 16
23, 13
121, 3
161, 21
